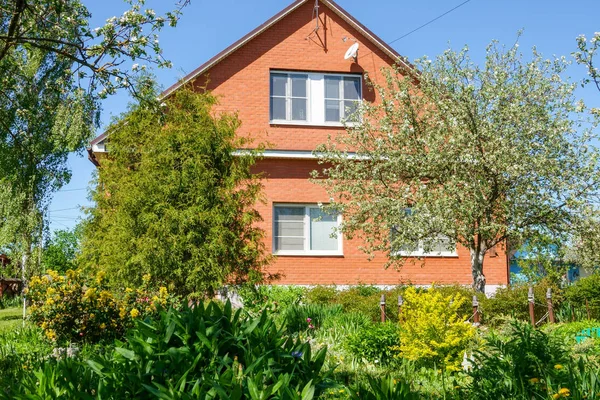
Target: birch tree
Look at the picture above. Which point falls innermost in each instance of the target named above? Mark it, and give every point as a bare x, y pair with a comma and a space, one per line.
467, 154
54, 70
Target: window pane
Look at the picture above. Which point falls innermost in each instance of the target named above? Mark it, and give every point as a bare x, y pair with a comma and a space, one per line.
299, 109
284, 243
289, 213
278, 108
332, 87
350, 108
352, 88
299, 85
278, 84
289, 228
332, 110
321, 227
440, 244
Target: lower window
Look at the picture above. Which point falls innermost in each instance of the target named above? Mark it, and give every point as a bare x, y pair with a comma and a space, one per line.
305, 230
440, 246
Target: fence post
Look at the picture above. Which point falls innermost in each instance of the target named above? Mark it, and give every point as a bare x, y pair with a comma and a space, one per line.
550, 307
475, 310
400, 303
382, 306
587, 307
531, 299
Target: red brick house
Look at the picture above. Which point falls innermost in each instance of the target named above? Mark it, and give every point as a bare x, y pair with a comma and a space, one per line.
290, 82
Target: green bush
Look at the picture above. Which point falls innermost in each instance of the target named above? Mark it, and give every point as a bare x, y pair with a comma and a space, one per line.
512, 301
321, 295
587, 288
21, 351
521, 365
204, 352
299, 318
272, 297
374, 342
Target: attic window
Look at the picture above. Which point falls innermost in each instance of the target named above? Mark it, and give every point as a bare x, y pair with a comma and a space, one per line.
313, 98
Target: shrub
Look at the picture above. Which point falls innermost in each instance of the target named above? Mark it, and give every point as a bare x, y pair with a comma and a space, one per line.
431, 329
321, 295
299, 318
77, 308
374, 342
204, 352
21, 351
273, 297
512, 301
525, 364
587, 288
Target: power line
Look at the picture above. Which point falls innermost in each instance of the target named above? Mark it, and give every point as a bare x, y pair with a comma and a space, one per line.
429, 22
65, 209
72, 190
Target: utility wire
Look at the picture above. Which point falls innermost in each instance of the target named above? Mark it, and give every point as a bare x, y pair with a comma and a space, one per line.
424, 25
72, 190
429, 22
66, 209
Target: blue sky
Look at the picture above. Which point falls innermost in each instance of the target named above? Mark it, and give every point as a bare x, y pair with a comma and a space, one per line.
207, 27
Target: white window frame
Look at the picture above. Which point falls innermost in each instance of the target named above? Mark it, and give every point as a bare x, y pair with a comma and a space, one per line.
289, 97
342, 99
306, 221
420, 252
315, 109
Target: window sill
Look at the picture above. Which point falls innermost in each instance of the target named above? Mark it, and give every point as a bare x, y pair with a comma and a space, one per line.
426, 255
304, 123
307, 254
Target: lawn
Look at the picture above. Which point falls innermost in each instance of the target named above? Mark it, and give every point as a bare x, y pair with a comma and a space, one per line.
11, 318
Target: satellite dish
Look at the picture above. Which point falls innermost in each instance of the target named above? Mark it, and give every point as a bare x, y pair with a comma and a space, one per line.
352, 52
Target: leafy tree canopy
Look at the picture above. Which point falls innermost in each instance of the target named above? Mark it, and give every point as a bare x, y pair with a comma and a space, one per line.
175, 201
54, 69
473, 154
61, 250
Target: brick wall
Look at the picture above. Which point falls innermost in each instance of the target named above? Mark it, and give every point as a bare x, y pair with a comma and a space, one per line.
287, 181
241, 81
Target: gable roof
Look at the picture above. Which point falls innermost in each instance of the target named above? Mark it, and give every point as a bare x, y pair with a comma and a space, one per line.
387, 49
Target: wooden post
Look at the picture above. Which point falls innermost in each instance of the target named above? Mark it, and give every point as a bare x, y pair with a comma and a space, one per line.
475, 310
572, 313
531, 299
382, 306
587, 307
550, 307
400, 303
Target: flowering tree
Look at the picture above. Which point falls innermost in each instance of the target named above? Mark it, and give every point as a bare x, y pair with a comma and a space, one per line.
54, 70
585, 56
457, 153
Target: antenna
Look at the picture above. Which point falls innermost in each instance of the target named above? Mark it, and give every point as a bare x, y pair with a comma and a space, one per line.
352, 52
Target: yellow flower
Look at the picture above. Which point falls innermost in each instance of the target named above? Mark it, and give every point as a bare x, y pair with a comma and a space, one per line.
162, 292
49, 302
50, 334
342, 390
134, 313
534, 380
128, 290
146, 278
556, 396
71, 274
103, 326
558, 366
100, 277
564, 392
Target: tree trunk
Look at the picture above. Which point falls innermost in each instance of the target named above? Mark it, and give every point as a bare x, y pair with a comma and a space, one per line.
477, 270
